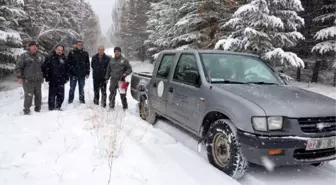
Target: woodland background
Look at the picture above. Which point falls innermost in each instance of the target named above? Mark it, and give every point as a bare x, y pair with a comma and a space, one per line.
297, 37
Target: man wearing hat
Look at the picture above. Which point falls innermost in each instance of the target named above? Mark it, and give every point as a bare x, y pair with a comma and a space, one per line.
29, 73
118, 68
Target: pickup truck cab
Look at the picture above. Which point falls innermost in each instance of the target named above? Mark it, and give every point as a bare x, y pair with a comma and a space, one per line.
239, 107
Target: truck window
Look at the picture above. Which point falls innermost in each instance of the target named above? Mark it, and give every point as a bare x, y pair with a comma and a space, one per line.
165, 65
187, 62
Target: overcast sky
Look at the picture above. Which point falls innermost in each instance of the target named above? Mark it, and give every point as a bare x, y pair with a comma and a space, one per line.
103, 9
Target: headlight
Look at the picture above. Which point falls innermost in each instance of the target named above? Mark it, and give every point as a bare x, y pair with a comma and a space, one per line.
274, 123
265, 124
259, 124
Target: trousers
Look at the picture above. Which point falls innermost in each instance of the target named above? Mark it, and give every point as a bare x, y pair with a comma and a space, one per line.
73, 84
56, 96
32, 89
99, 86
113, 93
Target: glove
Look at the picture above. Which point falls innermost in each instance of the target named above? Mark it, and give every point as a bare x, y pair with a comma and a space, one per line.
20, 80
87, 76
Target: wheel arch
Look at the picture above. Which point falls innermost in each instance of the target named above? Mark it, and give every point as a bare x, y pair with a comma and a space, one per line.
211, 116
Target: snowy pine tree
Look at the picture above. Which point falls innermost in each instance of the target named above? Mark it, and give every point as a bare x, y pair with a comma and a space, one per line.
327, 34
160, 24
326, 48
200, 21
187, 23
267, 28
60, 22
129, 27
11, 13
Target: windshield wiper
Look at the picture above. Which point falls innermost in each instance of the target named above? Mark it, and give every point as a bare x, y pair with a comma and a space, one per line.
228, 82
263, 83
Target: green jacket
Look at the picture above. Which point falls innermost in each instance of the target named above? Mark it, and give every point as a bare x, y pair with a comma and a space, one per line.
117, 67
29, 67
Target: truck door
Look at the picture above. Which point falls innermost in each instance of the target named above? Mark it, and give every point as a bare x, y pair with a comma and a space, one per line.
159, 84
184, 93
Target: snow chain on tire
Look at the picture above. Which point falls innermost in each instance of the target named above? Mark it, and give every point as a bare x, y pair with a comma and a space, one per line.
236, 164
151, 116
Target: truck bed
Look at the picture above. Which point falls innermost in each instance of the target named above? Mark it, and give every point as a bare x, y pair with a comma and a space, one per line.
143, 74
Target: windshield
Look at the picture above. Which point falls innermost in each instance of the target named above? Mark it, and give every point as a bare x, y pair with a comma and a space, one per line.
226, 68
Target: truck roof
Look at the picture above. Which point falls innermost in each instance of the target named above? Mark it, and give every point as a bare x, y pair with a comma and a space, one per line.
209, 51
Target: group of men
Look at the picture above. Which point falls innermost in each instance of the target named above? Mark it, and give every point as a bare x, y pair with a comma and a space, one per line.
57, 69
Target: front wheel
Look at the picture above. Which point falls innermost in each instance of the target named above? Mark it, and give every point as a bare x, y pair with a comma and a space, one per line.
224, 150
147, 112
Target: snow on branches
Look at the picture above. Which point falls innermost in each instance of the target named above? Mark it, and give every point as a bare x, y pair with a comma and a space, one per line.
186, 23
327, 34
284, 57
264, 27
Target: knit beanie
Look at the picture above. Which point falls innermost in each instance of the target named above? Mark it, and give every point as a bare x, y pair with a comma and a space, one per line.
117, 49
32, 43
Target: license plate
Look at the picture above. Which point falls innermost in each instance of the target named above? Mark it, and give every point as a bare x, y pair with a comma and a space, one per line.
321, 143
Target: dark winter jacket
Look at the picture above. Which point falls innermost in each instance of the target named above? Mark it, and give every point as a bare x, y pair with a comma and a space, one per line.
29, 67
79, 63
55, 69
117, 67
99, 67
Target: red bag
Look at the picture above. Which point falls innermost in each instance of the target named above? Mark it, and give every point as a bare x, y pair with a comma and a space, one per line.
123, 87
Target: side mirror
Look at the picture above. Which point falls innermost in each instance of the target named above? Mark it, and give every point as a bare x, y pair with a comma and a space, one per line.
192, 77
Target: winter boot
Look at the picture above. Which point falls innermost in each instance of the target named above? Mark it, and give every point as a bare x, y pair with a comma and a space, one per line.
26, 112
95, 102
37, 109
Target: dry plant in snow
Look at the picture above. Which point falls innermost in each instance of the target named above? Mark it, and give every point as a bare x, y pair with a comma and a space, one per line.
107, 127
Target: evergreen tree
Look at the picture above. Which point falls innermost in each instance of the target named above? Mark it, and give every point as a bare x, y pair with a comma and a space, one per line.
130, 30
11, 13
326, 48
267, 27
187, 23
60, 22
327, 34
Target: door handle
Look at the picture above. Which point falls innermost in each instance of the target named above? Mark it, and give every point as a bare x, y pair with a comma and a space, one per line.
171, 89
154, 85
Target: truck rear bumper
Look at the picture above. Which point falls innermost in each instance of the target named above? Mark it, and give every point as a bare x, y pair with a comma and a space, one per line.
256, 148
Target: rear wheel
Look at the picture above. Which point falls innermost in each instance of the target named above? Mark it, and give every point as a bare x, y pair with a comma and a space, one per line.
224, 151
147, 112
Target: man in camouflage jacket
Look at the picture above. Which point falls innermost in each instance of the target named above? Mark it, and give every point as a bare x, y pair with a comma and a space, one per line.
29, 73
117, 69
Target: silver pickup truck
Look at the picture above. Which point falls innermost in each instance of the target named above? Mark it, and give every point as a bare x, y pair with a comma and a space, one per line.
239, 107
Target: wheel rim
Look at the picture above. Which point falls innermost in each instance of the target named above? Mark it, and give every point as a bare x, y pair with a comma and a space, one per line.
221, 150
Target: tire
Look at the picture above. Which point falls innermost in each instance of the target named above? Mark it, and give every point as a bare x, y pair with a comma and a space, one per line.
233, 163
146, 112
142, 110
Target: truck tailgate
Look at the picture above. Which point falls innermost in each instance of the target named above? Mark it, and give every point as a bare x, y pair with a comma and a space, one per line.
139, 84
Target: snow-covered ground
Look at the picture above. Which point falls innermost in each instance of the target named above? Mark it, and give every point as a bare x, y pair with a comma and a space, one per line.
8, 83
86, 144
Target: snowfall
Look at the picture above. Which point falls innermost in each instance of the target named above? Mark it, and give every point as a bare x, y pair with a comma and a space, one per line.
88, 144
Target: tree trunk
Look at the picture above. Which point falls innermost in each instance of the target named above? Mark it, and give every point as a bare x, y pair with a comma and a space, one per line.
316, 71
334, 82
298, 74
